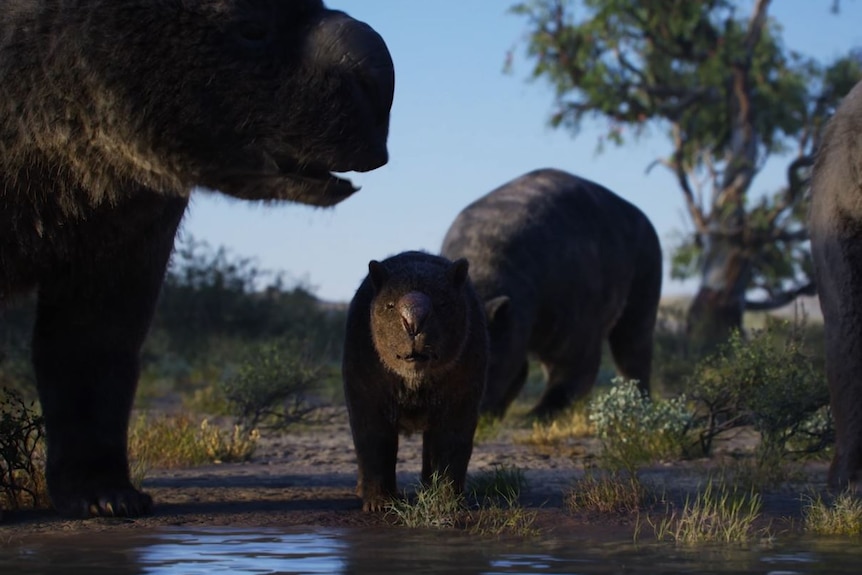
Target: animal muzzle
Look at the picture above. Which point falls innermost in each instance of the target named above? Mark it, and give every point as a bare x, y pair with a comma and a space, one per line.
414, 307
358, 50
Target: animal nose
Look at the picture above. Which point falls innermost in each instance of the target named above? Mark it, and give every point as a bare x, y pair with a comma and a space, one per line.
357, 49
415, 307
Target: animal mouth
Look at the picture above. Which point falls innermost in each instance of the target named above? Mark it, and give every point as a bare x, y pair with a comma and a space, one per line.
416, 357
309, 174
269, 178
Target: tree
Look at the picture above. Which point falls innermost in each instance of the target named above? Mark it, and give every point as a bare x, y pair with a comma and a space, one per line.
729, 96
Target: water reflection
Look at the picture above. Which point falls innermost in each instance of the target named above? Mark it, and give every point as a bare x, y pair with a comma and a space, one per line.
391, 551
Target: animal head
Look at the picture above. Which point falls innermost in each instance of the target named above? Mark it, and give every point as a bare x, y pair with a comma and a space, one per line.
419, 313
259, 99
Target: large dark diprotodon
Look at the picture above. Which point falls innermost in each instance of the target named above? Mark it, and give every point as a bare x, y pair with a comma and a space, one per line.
562, 264
835, 226
415, 360
111, 112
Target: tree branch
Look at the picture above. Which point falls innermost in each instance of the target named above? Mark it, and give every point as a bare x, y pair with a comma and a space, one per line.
742, 161
781, 299
677, 165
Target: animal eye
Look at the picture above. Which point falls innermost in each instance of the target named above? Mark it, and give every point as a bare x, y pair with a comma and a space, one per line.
254, 33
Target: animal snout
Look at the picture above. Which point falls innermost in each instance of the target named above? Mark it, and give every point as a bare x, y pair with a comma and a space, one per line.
358, 51
415, 307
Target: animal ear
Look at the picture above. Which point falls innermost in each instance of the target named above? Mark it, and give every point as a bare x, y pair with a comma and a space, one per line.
497, 308
458, 272
378, 274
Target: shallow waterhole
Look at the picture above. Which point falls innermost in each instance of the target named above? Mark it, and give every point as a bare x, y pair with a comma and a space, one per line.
398, 551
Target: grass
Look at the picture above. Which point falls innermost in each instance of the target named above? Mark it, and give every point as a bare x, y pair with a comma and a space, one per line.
611, 492
436, 505
495, 508
716, 514
488, 429
574, 423
179, 441
502, 481
841, 516
504, 517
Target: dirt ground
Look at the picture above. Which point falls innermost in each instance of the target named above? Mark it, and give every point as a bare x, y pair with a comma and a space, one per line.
307, 478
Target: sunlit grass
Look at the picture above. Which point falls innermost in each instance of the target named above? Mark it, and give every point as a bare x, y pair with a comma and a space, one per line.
179, 441
841, 516
716, 514
436, 505
492, 508
574, 423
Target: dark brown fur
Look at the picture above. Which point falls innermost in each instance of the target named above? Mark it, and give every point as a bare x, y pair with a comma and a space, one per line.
111, 112
563, 265
415, 358
835, 225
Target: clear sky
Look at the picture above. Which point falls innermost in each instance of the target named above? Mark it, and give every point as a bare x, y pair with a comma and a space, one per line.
461, 127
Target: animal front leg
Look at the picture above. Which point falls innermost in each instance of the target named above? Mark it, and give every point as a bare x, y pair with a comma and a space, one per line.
844, 375
567, 383
446, 450
376, 453
93, 312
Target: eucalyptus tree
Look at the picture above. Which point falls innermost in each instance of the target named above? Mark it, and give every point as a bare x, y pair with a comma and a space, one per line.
720, 85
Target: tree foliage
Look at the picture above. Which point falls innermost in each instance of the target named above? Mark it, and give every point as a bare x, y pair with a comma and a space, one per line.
728, 95
210, 294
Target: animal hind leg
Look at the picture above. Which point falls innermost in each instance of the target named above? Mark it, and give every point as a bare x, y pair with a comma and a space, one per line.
631, 344
631, 338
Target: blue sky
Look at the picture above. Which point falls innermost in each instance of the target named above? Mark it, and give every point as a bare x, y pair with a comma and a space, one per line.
461, 127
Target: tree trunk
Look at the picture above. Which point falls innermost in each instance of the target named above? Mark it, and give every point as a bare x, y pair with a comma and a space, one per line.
720, 301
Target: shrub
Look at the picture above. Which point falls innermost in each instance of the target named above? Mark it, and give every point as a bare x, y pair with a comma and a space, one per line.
271, 385
22, 431
772, 385
635, 430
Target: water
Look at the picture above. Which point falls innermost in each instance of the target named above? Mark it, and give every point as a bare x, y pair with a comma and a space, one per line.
401, 551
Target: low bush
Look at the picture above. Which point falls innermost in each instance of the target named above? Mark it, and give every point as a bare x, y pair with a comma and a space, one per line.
766, 382
22, 453
635, 430
271, 386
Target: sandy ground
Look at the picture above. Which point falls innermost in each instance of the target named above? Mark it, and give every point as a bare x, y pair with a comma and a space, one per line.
307, 477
